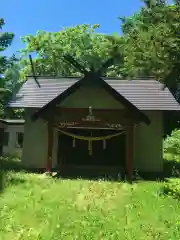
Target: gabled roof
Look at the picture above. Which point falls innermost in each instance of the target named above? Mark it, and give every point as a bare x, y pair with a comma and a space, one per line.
144, 94
154, 93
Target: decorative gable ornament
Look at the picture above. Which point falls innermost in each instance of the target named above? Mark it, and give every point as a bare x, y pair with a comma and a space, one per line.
90, 117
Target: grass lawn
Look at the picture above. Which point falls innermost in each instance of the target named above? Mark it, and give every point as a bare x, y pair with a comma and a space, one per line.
33, 207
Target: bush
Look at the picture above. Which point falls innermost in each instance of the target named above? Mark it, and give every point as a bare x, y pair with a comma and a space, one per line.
16, 156
10, 163
171, 147
172, 187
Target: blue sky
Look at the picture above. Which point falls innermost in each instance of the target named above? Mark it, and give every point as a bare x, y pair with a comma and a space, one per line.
27, 17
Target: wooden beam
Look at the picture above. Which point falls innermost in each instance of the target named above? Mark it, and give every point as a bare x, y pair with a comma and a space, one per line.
85, 110
50, 147
77, 115
129, 150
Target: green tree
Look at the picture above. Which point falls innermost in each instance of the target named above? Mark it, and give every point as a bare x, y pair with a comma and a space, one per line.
152, 42
82, 42
5, 40
9, 74
12, 83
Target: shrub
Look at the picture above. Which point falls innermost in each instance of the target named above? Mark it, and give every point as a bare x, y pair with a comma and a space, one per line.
10, 163
172, 187
171, 147
16, 156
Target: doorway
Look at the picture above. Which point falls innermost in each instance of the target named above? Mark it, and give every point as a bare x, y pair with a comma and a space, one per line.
73, 159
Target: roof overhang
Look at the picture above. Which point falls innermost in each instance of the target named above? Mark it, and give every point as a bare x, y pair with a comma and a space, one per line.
12, 121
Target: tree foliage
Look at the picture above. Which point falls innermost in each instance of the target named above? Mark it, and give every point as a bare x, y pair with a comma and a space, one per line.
152, 42
82, 42
9, 74
5, 40
171, 146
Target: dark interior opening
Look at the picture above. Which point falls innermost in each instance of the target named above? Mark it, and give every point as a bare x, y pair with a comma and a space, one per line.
113, 157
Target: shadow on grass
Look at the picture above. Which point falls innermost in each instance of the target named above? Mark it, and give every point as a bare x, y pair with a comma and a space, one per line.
9, 165
90, 177
171, 169
115, 177
91, 173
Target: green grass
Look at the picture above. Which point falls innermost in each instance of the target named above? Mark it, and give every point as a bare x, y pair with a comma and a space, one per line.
33, 207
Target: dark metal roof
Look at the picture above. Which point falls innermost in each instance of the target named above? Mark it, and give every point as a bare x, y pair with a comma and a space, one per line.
144, 94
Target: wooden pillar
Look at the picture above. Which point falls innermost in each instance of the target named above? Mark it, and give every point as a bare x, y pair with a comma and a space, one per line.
129, 150
50, 148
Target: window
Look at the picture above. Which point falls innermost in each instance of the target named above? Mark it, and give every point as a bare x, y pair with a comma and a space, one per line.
5, 138
19, 139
